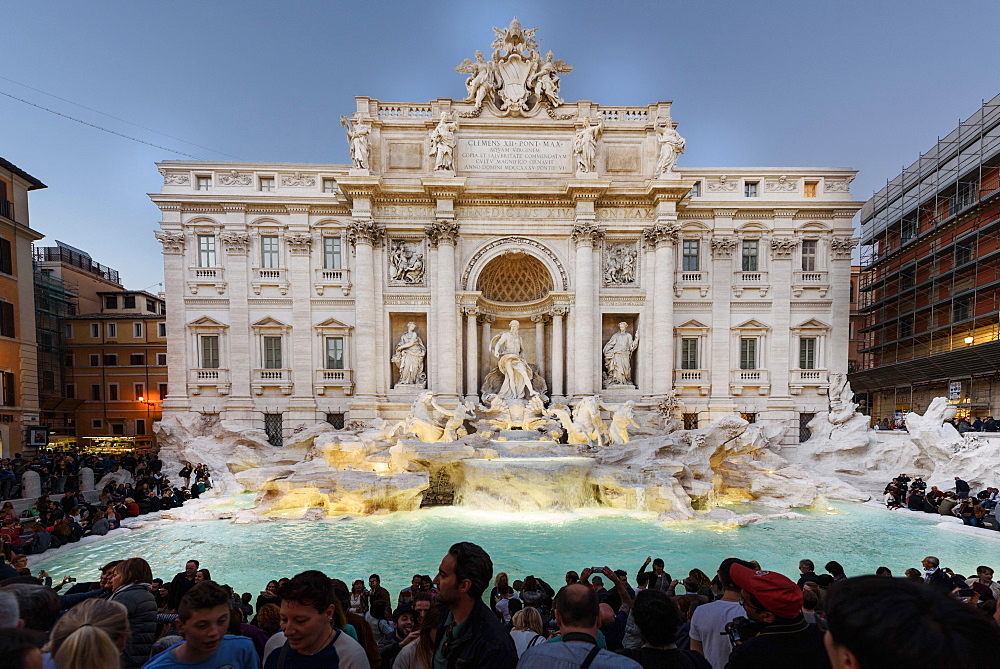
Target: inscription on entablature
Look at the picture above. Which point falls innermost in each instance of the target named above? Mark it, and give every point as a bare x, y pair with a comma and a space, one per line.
624, 213
472, 212
514, 155
416, 211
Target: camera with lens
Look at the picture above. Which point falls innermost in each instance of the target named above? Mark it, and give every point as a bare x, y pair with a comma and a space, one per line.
741, 628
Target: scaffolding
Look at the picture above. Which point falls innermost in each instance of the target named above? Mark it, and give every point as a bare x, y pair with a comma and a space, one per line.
930, 277
55, 299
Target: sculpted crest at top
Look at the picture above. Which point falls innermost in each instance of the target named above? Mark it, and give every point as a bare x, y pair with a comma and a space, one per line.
516, 81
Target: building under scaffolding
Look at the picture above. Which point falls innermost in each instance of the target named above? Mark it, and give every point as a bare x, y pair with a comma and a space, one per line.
930, 278
55, 299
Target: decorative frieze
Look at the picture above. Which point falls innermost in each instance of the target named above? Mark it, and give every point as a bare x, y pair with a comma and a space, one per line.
175, 178
298, 180
782, 247
234, 178
781, 185
722, 185
235, 243
838, 185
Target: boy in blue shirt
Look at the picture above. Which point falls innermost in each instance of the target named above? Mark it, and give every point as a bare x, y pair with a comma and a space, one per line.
204, 616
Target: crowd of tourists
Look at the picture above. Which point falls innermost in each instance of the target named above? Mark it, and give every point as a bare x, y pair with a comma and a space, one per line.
742, 616
975, 510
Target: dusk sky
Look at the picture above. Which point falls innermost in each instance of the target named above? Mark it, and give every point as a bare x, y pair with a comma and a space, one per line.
867, 85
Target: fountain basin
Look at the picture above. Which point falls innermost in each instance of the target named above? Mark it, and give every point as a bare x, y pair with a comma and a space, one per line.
526, 484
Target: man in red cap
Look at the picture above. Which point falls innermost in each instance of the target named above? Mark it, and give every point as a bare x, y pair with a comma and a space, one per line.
784, 638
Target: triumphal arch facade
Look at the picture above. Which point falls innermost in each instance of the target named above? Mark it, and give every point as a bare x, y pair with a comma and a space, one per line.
508, 242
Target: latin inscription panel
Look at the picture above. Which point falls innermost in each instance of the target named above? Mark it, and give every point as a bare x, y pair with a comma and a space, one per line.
515, 155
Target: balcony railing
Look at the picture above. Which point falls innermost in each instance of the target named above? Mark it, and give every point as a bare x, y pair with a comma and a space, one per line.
213, 277
272, 378
752, 281
693, 378
7, 209
208, 378
334, 378
807, 378
332, 278
269, 276
815, 280
749, 378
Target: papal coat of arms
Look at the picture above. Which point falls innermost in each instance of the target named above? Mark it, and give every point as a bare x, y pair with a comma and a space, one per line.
516, 81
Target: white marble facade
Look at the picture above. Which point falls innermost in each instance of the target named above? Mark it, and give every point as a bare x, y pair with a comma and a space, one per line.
289, 286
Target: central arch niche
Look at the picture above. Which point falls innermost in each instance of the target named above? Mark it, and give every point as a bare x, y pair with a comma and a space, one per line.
515, 278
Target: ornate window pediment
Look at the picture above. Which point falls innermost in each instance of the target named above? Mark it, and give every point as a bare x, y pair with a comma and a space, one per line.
752, 324
812, 324
270, 323
692, 325
207, 323
333, 326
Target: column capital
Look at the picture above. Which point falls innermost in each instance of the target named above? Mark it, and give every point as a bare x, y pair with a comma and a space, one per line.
365, 231
235, 243
661, 234
299, 244
558, 312
173, 242
543, 317
442, 232
486, 318
843, 247
470, 310
586, 234
723, 246
782, 247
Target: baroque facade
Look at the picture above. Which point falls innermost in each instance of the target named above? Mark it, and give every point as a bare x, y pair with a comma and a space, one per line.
304, 292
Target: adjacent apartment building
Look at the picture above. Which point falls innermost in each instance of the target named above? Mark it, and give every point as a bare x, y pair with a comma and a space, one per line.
930, 278
18, 371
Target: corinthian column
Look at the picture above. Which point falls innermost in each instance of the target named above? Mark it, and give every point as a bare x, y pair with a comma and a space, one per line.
662, 236
557, 351
471, 353
445, 234
364, 235
585, 234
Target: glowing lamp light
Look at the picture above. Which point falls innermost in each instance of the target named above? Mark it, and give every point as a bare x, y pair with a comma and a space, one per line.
969, 340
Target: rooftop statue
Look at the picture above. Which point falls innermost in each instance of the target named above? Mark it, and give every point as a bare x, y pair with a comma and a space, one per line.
357, 136
443, 142
671, 147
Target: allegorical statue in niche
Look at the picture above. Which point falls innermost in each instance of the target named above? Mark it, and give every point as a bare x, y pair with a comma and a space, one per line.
409, 357
585, 146
357, 138
482, 78
507, 348
618, 356
671, 147
405, 263
443, 142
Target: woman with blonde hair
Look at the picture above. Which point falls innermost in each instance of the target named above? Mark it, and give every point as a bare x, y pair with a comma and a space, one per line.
501, 580
528, 629
92, 634
130, 587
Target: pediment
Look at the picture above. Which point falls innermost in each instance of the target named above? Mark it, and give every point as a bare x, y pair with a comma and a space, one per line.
692, 325
752, 324
333, 324
206, 322
812, 324
269, 322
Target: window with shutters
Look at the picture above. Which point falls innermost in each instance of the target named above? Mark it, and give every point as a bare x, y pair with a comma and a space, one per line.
137, 359
6, 319
690, 255
6, 256
809, 247
110, 301
140, 391
206, 251
750, 248
7, 393
111, 360
272, 352
95, 392
807, 353
209, 351
334, 353
748, 353
137, 330
689, 353
269, 257
128, 301
331, 253
112, 330
112, 391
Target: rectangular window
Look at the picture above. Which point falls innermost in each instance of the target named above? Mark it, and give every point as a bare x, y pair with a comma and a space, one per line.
203, 182
162, 389
140, 391
128, 301
112, 330
68, 360
960, 308
804, 432
334, 353
137, 330
206, 251
161, 329
210, 351
689, 255
6, 256
336, 420
8, 395
750, 188
695, 189
807, 353
963, 252
95, 392
329, 185
95, 360
269, 252
748, 353
272, 427
96, 424
112, 392
140, 426
111, 360
161, 359
749, 255
118, 429
809, 247
70, 391
151, 306
907, 277
68, 330
690, 420
809, 188
272, 352
6, 319
95, 330
331, 253
267, 184
908, 229
689, 353
906, 326
137, 359
110, 301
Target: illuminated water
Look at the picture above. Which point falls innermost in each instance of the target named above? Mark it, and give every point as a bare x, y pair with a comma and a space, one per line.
398, 545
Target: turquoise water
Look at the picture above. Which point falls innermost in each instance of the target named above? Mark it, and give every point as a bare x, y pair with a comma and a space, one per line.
398, 545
